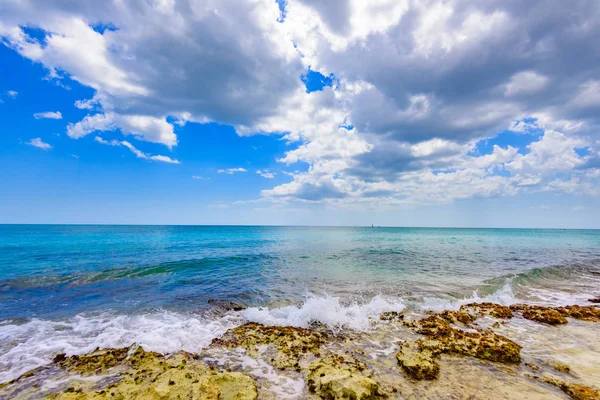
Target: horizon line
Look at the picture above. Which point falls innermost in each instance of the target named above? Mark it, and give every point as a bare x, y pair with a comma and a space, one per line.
295, 226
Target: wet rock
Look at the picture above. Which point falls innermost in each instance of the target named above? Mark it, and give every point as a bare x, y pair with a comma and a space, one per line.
546, 315
226, 305
337, 377
533, 366
596, 300
573, 390
417, 363
391, 316
95, 363
291, 342
560, 367
481, 344
585, 313
488, 309
457, 316
149, 375
417, 359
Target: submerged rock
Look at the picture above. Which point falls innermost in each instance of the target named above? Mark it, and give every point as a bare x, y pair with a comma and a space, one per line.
573, 390
226, 305
337, 377
546, 315
291, 342
417, 359
488, 309
560, 367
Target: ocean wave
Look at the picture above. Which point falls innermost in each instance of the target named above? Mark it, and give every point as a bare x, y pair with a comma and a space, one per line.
27, 344
133, 272
327, 310
24, 346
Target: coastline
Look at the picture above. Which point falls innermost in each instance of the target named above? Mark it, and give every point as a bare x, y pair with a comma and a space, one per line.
482, 350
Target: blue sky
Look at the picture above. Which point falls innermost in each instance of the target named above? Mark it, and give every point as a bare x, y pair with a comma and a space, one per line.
317, 118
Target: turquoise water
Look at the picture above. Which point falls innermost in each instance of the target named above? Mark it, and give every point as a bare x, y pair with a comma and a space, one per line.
58, 271
72, 288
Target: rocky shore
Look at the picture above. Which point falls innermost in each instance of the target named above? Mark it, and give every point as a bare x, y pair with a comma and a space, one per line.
463, 353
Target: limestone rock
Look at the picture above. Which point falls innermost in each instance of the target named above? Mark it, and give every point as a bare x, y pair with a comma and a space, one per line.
546, 315
416, 363
337, 377
488, 309
573, 390
292, 342
148, 375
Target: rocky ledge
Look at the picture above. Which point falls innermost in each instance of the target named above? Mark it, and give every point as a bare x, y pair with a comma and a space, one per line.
418, 359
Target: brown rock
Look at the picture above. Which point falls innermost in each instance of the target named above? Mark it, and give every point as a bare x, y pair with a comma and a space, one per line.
488, 309
337, 377
291, 342
417, 359
573, 390
416, 363
546, 315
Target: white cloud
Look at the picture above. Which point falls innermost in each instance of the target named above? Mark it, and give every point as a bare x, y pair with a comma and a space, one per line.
39, 143
198, 177
147, 128
12, 93
48, 115
212, 60
422, 84
231, 171
138, 153
266, 173
525, 82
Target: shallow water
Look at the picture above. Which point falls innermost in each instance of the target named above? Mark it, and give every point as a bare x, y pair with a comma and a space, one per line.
74, 288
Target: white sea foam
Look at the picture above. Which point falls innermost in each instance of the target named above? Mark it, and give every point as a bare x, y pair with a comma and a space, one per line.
327, 310
35, 343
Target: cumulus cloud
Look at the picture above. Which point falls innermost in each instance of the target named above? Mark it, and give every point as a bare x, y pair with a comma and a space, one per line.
12, 93
39, 143
420, 88
48, 115
231, 171
140, 126
216, 60
138, 153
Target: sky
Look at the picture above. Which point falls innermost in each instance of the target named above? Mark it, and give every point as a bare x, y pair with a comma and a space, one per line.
456, 113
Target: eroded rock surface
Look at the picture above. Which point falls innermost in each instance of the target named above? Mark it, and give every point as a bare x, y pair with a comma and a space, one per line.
546, 315
418, 359
558, 315
149, 375
291, 342
418, 363
488, 309
573, 390
338, 377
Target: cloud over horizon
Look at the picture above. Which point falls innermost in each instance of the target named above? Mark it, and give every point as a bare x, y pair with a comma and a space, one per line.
421, 99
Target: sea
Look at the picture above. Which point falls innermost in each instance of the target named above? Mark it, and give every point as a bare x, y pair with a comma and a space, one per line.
74, 288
